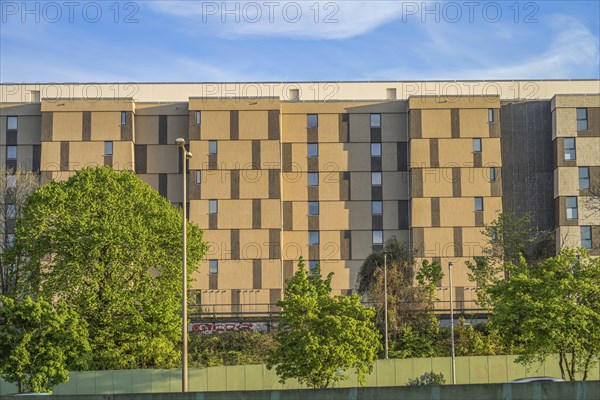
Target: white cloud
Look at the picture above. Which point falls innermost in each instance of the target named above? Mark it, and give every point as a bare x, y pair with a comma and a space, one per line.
296, 19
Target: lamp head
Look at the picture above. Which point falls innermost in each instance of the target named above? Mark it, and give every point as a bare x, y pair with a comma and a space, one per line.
180, 141
188, 155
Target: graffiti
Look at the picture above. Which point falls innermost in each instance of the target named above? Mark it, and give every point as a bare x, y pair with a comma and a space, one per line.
221, 327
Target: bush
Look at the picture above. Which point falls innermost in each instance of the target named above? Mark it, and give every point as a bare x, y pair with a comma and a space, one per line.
428, 378
230, 348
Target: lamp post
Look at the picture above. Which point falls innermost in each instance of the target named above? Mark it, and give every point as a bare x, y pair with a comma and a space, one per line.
184, 347
452, 322
385, 307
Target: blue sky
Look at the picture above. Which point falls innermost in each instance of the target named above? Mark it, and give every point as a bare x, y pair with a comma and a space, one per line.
193, 41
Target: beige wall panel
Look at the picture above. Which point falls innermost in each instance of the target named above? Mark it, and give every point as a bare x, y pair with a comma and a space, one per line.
67, 126
123, 155
234, 274
60, 176
395, 233
216, 184
566, 181
329, 128
420, 154
492, 206
234, 154
335, 215
475, 182
360, 128
341, 277
254, 244
271, 274
566, 122
235, 214
589, 212
456, 152
299, 157
421, 212
389, 156
329, 248
329, 185
474, 123
215, 125
218, 243
353, 267
29, 129
300, 214
254, 124
457, 211
450, 100
439, 242
362, 244
254, 184
360, 183
294, 186
199, 150
437, 182
270, 214
151, 180
239, 102
146, 130
436, 124
473, 241
326, 107
588, 150
162, 159
106, 126
89, 101
293, 128
390, 215
394, 127
85, 154
356, 156
395, 186
177, 127
491, 154
295, 244
270, 154
175, 188
359, 214
198, 208
568, 236
591, 100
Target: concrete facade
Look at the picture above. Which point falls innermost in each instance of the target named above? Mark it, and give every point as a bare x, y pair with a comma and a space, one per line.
329, 178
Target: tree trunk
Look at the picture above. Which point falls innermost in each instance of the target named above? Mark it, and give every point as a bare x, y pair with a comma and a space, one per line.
561, 359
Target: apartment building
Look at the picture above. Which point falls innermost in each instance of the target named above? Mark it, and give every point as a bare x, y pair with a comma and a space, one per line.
328, 171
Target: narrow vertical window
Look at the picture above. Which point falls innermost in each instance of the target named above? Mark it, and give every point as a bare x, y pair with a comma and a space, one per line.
490, 115
375, 120
198, 177
570, 150
375, 149
376, 178
377, 237
123, 118
11, 211
572, 212
12, 123
477, 145
313, 238
582, 119
493, 174
478, 204
198, 118
213, 207
212, 147
376, 207
108, 148
213, 267
312, 120
11, 152
584, 178
312, 265
586, 237
313, 179
313, 150
313, 208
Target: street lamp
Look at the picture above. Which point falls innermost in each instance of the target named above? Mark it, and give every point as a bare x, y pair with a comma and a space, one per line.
385, 307
184, 348
452, 322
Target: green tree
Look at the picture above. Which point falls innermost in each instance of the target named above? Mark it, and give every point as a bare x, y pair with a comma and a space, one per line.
551, 307
39, 344
321, 337
110, 247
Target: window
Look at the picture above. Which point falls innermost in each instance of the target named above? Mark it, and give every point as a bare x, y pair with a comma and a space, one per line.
494, 235
11, 123
478, 203
10, 239
490, 115
198, 177
313, 150
213, 206
213, 267
212, 147
582, 119
11, 211
572, 208
11, 181
376, 178
198, 117
586, 237
312, 265
570, 153
313, 238
375, 120
313, 179
584, 178
312, 120
493, 174
11, 152
313, 208
477, 145
375, 149
377, 237
123, 118
376, 207
108, 148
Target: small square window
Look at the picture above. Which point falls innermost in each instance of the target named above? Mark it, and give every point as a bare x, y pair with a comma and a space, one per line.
212, 147
493, 174
312, 120
313, 208
11, 181
376, 178
198, 117
312, 265
377, 207
108, 148
12, 123
570, 151
582, 119
11, 211
477, 145
572, 212
213, 267
377, 237
313, 238
586, 237
375, 149
313, 150
478, 203
584, 178
123, 118
313, 179
11, 152
213, 206
490, 115
198, 177
375, 120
